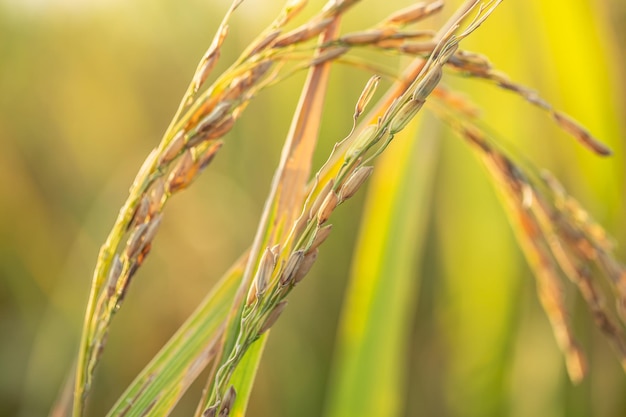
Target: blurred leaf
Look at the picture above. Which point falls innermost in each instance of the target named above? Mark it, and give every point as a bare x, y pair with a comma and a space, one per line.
369, 370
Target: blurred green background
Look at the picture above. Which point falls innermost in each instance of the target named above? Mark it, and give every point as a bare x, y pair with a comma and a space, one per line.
87, 89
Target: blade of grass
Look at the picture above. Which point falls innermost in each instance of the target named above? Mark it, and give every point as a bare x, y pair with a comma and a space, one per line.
369, 366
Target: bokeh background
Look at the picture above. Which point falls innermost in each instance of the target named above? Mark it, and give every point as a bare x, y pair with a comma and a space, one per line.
88, 87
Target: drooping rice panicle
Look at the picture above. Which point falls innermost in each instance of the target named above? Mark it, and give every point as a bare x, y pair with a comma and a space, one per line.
413, 13
579, 233
558, 239
476, 65
208, 61
514, 188
578, 270
469, 64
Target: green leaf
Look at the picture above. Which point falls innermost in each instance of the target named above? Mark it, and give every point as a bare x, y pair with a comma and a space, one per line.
370, 366
165, 379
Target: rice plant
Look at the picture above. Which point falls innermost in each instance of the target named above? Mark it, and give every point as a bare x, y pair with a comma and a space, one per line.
226, 335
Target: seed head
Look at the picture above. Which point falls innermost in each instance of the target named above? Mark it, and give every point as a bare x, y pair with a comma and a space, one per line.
173, 148
156, 193
366, 95
293, 264
390, 109
320, 198
252, 297
227, 402
329, 54
237, 86
259, 70
418, 47
272, 317
581, 134
153, 227
364, 37
366, 136
414, 13
140, 213
209, 59
135, 241
446, 51
354, 182
299, 225
271, 37
114, 274
145, 250
204, 69
428, 83
183, 173
405, 115
265, 270
303, 33
327, 207
206, 156
305, 266
210, 412
216, 115
221, 128
471, 62
321, 234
